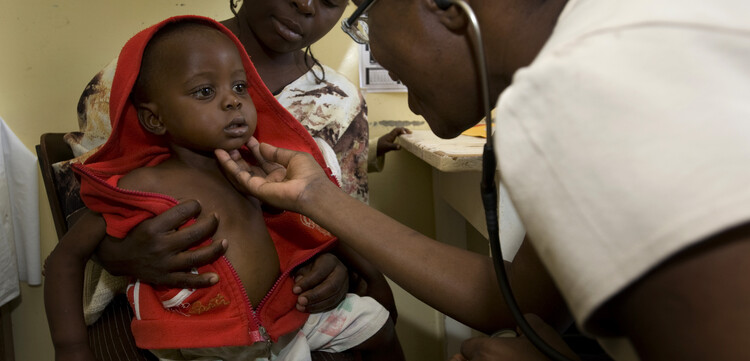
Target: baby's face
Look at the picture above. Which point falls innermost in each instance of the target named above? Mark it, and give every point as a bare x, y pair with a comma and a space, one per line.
202, 93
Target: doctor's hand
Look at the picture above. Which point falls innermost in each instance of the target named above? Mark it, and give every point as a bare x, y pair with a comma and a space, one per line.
282, 177
514, 348
157, 253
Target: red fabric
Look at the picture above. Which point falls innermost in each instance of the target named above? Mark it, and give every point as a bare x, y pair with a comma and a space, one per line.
220, 315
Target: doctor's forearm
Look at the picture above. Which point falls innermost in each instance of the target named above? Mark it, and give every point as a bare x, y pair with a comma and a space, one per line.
456, 282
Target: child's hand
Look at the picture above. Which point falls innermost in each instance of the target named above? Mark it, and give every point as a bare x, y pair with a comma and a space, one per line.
79, 353
386, 142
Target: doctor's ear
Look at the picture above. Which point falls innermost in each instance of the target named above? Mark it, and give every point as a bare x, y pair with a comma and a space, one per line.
149, 118
451, 15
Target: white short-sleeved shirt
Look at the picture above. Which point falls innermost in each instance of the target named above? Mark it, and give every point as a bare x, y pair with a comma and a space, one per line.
628, 139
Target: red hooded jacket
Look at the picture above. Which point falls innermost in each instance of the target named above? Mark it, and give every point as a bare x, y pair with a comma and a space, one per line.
220, 315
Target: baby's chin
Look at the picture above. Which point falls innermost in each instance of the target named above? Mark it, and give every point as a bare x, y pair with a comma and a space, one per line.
236, 144
232, 147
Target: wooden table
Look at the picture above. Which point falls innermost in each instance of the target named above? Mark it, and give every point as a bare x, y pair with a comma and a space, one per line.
456, 175
460, 154
457, 166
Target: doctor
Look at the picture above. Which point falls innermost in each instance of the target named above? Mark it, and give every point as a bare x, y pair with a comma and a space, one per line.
623, 137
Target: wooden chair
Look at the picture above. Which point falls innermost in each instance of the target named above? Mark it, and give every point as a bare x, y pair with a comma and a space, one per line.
50, 150
110, 338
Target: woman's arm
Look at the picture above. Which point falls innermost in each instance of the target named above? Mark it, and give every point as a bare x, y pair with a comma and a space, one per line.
63, 288
157, 253
457, 282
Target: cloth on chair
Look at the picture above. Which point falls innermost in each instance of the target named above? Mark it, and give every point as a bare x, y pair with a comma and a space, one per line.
19, 216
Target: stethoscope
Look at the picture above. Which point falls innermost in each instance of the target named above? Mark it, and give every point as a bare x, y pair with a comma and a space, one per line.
489, 189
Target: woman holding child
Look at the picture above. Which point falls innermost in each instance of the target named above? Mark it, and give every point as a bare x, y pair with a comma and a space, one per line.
291, 74
327, 104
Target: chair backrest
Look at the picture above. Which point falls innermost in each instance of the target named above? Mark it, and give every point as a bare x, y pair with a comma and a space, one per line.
52, 149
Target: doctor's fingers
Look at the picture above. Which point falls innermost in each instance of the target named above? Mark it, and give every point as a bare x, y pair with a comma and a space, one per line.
263, 160
485, 348
516, 348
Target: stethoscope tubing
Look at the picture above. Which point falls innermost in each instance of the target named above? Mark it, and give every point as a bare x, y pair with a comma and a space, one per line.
488, 190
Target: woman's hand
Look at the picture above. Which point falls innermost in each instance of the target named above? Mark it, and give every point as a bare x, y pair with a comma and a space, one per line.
321, 283
386, 142
157, 253
282, 178
513, 348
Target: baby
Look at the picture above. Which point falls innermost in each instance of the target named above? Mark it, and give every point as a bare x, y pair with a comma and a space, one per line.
182, 89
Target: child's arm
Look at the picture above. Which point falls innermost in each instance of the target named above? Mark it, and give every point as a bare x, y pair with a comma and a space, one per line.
63, 287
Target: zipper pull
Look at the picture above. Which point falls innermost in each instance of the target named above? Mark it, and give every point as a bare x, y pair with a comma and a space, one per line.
266, 339
264, 334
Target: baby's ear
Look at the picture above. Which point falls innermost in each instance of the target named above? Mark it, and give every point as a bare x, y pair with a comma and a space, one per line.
149, 118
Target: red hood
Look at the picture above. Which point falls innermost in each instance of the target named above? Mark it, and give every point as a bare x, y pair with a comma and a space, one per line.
130, 146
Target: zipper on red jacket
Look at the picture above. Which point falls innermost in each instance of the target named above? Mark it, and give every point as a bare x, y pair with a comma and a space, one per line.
261, 334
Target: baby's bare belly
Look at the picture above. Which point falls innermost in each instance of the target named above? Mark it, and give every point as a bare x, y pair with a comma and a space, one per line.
251, 251
254, 258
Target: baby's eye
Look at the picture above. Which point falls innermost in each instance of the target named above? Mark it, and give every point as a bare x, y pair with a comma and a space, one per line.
240, 88
204, 93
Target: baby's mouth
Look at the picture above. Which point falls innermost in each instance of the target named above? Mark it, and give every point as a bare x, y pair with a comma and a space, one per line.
237, 127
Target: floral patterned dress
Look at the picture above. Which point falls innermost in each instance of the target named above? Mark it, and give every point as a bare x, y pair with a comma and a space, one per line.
335, 111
